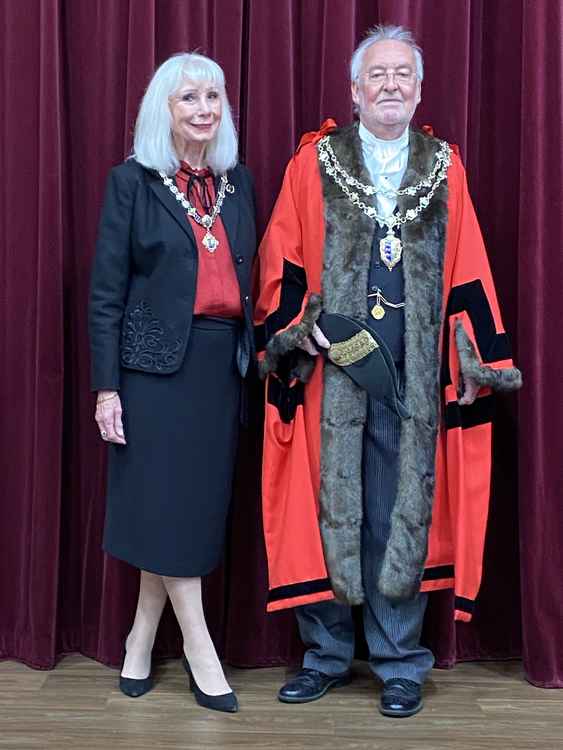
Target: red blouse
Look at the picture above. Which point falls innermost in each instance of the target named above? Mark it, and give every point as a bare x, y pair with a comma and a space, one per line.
217, 290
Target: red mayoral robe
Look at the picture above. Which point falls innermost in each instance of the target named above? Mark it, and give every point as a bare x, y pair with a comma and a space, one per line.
315, 256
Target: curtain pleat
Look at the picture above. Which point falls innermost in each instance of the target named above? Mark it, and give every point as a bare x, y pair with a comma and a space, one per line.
32, 231
538, 250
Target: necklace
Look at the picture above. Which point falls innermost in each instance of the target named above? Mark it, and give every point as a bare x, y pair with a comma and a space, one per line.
378, 311
390, 247
210, 242
329, 157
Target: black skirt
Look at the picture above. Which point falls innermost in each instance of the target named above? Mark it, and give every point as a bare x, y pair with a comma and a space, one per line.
169, 488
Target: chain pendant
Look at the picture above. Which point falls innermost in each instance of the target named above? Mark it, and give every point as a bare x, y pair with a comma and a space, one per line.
210, 242
390, 250
378, 312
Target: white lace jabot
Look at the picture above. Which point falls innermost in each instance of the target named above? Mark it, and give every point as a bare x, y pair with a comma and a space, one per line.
386, 162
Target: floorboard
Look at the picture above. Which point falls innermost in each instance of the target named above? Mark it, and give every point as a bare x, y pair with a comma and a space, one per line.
476, 706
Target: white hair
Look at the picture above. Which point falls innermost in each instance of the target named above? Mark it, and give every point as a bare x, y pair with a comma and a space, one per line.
153, 145
377, 34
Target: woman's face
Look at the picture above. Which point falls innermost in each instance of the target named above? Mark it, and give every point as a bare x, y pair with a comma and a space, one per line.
196, 111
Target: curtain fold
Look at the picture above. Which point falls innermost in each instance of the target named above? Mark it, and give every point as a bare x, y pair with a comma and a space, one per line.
32, 227
540, 232
74, 73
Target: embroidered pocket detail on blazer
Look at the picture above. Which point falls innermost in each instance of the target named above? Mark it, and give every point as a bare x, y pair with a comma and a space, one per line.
144, 344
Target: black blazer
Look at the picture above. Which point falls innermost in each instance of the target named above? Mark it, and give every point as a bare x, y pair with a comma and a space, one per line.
143, 280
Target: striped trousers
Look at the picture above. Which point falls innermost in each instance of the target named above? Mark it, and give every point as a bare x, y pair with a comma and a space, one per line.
392, 631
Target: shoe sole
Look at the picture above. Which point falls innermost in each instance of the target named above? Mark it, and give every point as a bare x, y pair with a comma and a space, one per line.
340, 682
400, 714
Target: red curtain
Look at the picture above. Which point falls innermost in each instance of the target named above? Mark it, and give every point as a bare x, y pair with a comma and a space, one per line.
73, 75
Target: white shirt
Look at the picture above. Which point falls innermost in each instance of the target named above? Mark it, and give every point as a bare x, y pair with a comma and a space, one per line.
386, 162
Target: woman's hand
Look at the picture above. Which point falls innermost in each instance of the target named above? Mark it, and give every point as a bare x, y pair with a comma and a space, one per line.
318, 337
108, 417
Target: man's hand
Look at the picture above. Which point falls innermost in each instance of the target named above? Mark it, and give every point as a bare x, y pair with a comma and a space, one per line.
316, 336
470, 391
108, 417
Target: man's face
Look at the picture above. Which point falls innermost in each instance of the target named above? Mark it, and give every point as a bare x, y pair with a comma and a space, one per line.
387, 90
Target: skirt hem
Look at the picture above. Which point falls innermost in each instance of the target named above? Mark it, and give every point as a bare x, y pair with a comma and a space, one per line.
122, 557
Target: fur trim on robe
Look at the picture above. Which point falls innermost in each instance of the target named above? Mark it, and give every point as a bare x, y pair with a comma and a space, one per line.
334, 258
287, 340
508, 379
349, 235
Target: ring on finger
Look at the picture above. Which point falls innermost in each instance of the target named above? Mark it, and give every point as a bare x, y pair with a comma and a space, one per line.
104, 434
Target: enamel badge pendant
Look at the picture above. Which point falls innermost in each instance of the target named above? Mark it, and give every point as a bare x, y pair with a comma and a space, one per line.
210, 242
390, 250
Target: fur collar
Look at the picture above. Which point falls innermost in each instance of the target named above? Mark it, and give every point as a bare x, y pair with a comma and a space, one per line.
347, 252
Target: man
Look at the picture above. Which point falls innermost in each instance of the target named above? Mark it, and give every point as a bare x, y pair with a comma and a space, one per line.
374, 222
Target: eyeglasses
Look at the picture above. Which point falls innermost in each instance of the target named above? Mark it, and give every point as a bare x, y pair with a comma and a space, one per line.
400, 75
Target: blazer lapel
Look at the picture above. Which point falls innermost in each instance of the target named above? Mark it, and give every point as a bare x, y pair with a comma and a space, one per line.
173, 206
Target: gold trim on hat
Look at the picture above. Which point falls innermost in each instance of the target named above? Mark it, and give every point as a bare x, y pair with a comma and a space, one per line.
352, 350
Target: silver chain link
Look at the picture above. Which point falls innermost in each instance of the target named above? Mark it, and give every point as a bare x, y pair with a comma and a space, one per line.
341, 177
328, 156
207, 220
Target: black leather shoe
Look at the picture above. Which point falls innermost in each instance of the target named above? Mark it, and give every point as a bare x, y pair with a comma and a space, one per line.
225, 702
310, 685
400, 697
135, 688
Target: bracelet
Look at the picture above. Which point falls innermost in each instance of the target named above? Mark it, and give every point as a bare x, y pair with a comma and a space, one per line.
103, 400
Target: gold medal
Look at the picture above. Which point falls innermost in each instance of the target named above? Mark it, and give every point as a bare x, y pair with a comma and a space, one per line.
377, 312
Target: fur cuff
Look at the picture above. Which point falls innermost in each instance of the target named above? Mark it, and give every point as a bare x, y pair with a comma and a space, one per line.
290, 338
507, 379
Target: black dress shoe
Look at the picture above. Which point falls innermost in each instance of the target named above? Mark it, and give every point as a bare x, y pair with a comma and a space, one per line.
226, 702
400, 697
310, 685
135, 688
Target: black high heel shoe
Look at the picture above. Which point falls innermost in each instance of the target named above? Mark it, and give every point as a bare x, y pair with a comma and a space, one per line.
226, 702
134, 688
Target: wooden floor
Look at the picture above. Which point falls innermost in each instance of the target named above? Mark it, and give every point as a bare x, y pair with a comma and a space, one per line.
485, 706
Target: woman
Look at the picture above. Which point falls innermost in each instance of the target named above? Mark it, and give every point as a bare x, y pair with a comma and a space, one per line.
170, 329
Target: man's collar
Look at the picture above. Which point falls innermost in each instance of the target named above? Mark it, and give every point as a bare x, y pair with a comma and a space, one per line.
371, 141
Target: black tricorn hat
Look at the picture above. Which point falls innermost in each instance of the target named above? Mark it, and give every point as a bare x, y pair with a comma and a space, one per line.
364, 356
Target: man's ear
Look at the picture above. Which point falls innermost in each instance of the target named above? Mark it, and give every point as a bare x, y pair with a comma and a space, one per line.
418, 91
355, 93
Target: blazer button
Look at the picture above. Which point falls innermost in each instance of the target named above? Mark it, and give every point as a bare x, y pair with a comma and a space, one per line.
240, 259
245, 298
